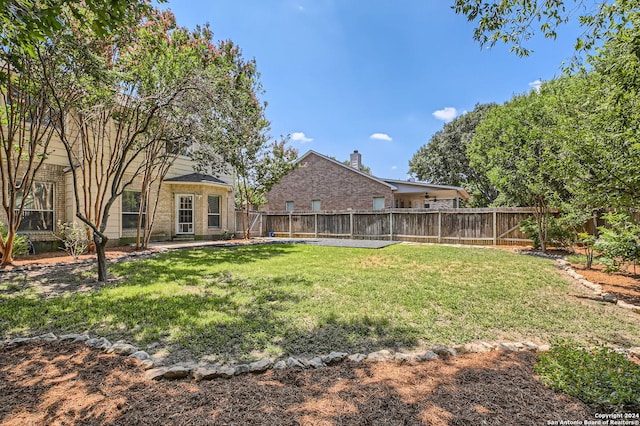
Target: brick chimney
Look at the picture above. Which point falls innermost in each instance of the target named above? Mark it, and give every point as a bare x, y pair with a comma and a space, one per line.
356, 160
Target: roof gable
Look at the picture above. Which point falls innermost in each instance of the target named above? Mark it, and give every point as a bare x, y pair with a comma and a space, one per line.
351, 169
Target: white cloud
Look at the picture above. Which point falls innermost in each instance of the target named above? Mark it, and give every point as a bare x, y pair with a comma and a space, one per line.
394, 167
381, 137
300, 137
446, 114
535, 85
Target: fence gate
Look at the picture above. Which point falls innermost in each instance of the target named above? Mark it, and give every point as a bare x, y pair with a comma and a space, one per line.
255, 223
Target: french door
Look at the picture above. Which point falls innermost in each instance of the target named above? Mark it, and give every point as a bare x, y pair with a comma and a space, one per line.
184, 214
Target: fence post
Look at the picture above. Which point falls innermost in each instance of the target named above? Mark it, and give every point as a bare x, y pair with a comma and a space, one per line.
495, 227
351, 225
439, 226
390, 225
290, 225
261, 224
316, 226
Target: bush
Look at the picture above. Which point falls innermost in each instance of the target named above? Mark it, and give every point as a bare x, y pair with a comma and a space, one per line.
20, 242
73, 237
601, 378
557, 234
619, 242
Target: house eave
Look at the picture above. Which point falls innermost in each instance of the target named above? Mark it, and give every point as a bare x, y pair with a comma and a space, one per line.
199, 183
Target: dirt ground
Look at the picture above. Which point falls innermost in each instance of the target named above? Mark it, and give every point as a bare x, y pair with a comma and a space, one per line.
68, 383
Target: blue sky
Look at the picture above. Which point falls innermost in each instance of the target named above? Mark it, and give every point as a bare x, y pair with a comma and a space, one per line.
380, 76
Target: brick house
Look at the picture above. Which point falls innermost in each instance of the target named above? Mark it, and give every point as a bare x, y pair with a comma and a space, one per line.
190, 205
322, 183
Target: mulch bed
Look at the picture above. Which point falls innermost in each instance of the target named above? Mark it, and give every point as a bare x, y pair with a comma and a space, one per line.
65, 383
624, 284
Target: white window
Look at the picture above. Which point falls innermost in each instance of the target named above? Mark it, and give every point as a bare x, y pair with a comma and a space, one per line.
288, 206
378, 203
214, 211
315, 205
131, 210
38, 208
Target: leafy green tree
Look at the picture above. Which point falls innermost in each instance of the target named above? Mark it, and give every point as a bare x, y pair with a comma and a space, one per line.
258, 173
178, 60
26, 130
234, 137
129, 87
26, 23
513, 147
515, 22
444, 160
600, 126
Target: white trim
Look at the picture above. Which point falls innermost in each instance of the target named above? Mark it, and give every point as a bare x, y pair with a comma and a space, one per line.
177, 219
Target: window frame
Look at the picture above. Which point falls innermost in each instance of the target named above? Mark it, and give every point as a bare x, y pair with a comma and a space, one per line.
210, 214
378, 199
287, 204
26, 210
316, 207
136, 214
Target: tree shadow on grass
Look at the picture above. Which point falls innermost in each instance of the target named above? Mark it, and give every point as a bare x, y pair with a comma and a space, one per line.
183, 266
226, 320
211, 314
187, 266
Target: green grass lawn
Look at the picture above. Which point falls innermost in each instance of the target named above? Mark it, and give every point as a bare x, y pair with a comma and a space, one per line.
251, 301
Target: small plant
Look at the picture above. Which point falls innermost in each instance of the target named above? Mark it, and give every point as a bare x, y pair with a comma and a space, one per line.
587, 241
227, 236
20, 243
73, 237
600, 377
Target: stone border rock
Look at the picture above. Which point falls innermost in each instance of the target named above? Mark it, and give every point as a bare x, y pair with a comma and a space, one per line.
565, 265
201, 371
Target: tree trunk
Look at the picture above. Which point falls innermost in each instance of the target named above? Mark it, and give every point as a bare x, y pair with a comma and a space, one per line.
7, 249
247, 222
101, 244
542, 233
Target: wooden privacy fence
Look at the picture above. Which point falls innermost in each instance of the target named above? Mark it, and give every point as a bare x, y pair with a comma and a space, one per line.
497, 226
254, 222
